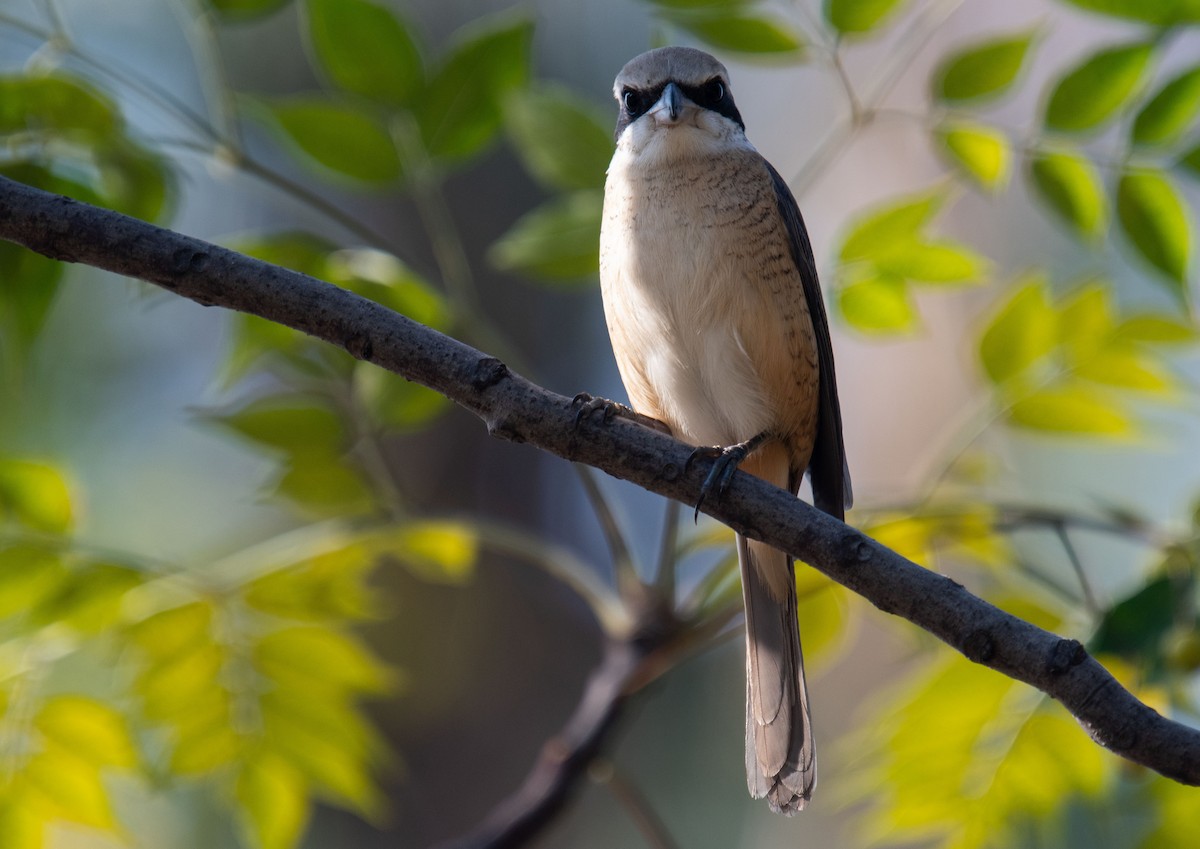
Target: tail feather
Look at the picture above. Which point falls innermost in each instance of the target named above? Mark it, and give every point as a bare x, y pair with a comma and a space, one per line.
780, 759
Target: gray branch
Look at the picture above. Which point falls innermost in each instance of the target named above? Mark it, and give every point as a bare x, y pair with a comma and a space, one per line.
514, 408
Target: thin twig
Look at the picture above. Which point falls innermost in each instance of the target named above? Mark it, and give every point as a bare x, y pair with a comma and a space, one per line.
606, 773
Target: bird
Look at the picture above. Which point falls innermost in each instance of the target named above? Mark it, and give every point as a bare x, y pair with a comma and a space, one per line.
720, 334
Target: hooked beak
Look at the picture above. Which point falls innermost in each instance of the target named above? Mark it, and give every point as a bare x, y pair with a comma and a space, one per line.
670, 105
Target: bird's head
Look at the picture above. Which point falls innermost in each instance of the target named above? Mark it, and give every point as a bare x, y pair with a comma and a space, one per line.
675, 101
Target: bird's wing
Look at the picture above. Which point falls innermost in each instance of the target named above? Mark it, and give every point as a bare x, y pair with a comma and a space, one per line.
828, 468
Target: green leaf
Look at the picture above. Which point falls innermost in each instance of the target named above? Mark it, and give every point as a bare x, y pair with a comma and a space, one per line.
383, 278
1169, 113
296, 424
365, 49
1155, 219
273, 800
313, 658
243, 10
28, 286
1094, 90
1069, 183
461, 109
878, 305
932, 262
395, 402
1074, 409
87, 729
982, 152
855, 17
35, 495
174, 631
1191, 161
58, 104
880, 229
324, 485
1159, 12
1021, 333
984, 69
559, 138
742, 31
559, 240
340, 137
1135, 627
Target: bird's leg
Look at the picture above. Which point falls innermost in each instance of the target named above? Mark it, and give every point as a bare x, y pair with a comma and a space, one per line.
726, 460
588, 404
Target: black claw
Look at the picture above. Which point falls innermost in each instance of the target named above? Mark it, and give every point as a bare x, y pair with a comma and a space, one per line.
725, 463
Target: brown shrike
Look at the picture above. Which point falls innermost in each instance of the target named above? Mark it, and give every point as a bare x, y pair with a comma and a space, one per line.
715, 314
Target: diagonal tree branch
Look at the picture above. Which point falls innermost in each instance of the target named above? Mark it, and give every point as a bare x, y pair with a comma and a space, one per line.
515, 409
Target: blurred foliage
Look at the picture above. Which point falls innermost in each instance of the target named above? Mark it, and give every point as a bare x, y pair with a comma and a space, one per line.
248, 675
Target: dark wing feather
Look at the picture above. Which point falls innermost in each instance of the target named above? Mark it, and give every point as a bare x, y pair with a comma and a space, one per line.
828, 468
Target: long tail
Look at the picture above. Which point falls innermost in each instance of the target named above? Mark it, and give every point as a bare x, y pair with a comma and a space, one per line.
780, 759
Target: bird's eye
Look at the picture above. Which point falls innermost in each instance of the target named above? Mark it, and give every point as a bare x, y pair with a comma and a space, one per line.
714, 91
632, 100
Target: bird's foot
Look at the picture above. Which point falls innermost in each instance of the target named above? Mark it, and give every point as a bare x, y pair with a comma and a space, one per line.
586, 405
726, 460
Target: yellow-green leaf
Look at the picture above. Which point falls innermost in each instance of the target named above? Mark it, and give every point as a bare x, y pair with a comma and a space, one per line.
856, 17
1095, 89
322, 659
1071, 186
199, 750
434, 550
21, 826
35, 494
395, 402
1168, 114
87, 729
1021, 333
178, 684
878, 305
63, 786
273, 799
931, 262
882, 227
984, 69
1085, 320
1073, 409
1155, 219
29, 574
1127, 368
980, 151
175, 631
1156, 330
89, 598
